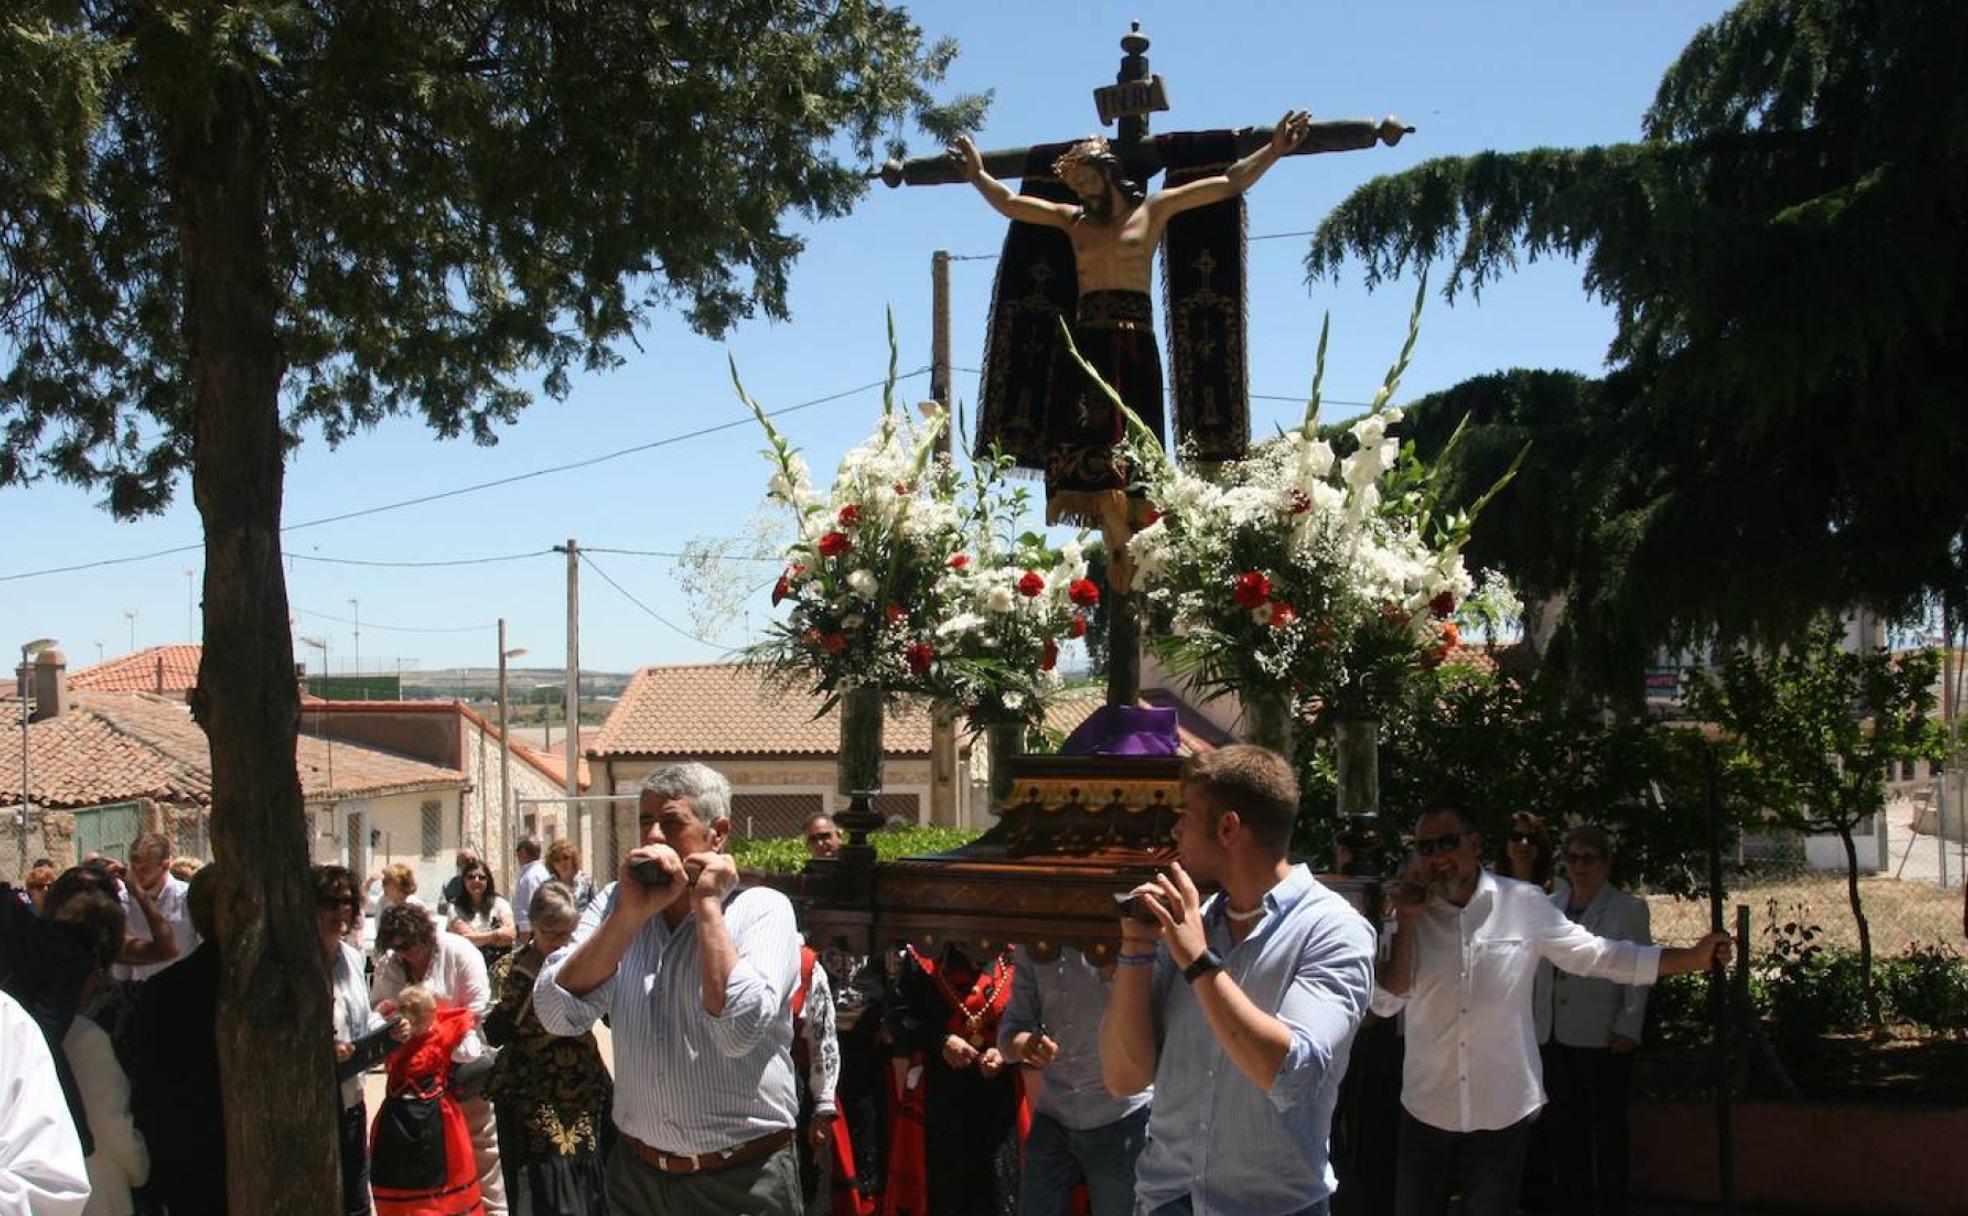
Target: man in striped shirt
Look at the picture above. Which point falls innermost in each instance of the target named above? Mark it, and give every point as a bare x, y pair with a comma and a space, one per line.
704, 1093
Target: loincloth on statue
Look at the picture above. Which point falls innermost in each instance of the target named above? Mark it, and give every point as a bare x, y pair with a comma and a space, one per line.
1087, 474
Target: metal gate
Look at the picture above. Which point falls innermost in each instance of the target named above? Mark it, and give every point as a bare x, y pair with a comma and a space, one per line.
107, 830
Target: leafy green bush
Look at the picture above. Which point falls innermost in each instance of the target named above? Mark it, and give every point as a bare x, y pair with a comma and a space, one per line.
1809, 991
1928, 987
787, 854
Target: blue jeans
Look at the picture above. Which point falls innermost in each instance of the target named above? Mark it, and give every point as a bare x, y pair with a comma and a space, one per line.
1182, 1207
1489, 1166
1057, 1158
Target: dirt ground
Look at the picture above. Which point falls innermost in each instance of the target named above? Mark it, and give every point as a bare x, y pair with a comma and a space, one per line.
1900, 911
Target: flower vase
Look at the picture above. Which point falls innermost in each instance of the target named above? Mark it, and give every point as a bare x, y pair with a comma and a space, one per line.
1269, 716
1356, 757
1006, 742
860, 767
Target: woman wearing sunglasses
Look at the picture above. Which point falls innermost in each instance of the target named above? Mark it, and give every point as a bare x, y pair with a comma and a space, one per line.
1527, 850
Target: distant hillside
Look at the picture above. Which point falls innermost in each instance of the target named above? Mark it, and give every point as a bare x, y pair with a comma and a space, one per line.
524, 685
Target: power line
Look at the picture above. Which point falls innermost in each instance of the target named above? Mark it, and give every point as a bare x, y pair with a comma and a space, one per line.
476, 487
342, 620
728, 557
658, 617
419, 565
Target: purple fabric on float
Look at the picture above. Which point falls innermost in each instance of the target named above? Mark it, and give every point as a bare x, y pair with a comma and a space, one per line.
1124, 730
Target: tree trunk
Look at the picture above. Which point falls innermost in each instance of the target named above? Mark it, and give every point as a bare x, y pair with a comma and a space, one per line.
1859, 918
276, 1071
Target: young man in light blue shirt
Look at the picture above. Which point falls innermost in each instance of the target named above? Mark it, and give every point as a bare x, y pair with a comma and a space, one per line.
1240, 1008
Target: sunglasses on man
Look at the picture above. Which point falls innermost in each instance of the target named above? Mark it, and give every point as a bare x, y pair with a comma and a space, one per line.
1447, 842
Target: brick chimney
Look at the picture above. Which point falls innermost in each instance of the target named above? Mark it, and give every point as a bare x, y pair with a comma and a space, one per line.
50, 685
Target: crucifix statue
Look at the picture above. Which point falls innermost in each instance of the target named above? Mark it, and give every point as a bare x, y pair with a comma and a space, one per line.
1083, 236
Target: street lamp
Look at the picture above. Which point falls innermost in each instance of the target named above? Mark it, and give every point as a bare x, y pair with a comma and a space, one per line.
130, 615
508, 807
28, 654
321, 644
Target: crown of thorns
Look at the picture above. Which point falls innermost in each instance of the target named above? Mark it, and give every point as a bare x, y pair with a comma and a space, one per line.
1093, 150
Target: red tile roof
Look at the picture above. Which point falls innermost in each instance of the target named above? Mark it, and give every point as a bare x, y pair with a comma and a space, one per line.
726, 709
138, 672
114, 746
551, 767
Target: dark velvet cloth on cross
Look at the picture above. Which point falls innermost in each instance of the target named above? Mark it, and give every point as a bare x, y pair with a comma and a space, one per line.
1040, 409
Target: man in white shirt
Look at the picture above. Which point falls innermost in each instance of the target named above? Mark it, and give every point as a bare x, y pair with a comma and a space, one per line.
532, 873
1463, 964
454, 971
697, 977
41, 1169
150, 873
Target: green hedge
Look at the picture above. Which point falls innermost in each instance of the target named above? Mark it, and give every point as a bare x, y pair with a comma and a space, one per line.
1801, 997
787, 854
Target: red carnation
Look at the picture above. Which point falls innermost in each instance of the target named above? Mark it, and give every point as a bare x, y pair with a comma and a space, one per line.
849, 516
894, 613
918, 654
958, 562
782, 588
1451, 636
833, 643
1252, 589
1443, 604
1300, 504
1084, 592
1077, 629
1030, 584
833, 544
1050, 658
1282, 614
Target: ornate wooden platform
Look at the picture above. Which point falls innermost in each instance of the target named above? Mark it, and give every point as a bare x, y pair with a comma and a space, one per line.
1075, 832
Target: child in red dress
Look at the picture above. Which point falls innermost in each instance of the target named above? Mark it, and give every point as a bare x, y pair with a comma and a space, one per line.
420, 1151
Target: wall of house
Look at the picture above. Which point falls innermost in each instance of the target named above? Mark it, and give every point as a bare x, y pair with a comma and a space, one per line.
418, 829
483, 822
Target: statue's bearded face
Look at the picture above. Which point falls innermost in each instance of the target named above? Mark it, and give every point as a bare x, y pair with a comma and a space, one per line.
1091, 172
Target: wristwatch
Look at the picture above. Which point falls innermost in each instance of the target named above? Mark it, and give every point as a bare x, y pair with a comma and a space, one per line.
1206, 962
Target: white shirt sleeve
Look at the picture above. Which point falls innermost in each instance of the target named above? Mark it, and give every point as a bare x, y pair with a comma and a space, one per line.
41, 1169
822, 1045
106, 1097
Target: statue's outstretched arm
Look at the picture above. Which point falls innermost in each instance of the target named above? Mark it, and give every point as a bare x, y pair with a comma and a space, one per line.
1289, 132
1001, 197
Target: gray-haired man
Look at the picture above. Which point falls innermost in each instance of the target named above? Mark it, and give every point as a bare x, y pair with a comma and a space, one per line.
705, 1099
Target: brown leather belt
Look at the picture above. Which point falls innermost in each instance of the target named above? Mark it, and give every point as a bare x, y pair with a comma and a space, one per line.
710, 1163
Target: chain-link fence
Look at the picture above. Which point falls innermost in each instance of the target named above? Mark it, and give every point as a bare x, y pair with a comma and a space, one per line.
1910, 876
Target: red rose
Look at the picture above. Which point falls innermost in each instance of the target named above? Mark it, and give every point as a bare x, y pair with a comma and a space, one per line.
849, 516
1051, 656
958, 562
1300, 504
894, 613
1282, 614
1443, 604
1084, 592
1030, 584
833, 544
918, 654
833, 643
1077, 629
1251, 589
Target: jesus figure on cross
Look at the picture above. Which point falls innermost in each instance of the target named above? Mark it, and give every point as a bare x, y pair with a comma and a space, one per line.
1114, 229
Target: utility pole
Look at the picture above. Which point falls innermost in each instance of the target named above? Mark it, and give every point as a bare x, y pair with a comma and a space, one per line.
356, 670
943, 717
572, 726
130, 615
508, 808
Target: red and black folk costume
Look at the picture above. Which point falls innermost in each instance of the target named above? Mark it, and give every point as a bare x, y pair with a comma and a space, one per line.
420, 1151
954, 1150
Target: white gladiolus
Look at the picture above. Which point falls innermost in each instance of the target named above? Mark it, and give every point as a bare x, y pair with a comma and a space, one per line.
862, 583
1368, 430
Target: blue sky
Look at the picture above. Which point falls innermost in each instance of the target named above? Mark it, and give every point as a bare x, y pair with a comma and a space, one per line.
1471, 77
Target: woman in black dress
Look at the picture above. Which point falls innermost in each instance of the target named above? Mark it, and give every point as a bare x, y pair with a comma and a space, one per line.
551, 1092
